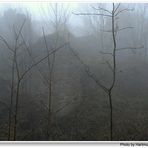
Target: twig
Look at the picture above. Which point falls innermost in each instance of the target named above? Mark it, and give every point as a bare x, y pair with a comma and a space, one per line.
109, 53
123, 11
91, 14
99, 8
126, 48
58, 110
125, 28
109, 65
117, 7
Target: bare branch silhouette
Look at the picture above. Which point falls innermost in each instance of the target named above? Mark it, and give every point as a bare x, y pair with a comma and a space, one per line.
86, 68
127, 48
121, 11
41, 60
99, 8
92, 14
107, 53
6, 43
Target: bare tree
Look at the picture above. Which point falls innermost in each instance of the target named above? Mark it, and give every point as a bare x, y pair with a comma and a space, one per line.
13, 51
20, 76
113, 15
59, 18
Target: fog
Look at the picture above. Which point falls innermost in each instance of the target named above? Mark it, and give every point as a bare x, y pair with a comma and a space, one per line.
73, 71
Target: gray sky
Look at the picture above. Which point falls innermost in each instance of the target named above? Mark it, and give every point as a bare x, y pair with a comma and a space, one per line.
40, 11
35, 8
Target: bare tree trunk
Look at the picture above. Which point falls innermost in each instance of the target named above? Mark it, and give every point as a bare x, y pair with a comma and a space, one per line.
15, 67
59, 18
11, 101
114, 73
111, 115
49, 110
16, 109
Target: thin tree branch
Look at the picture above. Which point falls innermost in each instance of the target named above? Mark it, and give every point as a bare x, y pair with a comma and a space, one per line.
6, 43
86, 68
126, 48
17, 68
124, 28
47, 50
119, 12
99, 8
38, 62
28, 51
109, 53
92, 14
117, 7
20, 30
109, 65
58, 110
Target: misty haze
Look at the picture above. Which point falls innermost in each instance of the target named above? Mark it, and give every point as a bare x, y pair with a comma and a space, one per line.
73, 71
